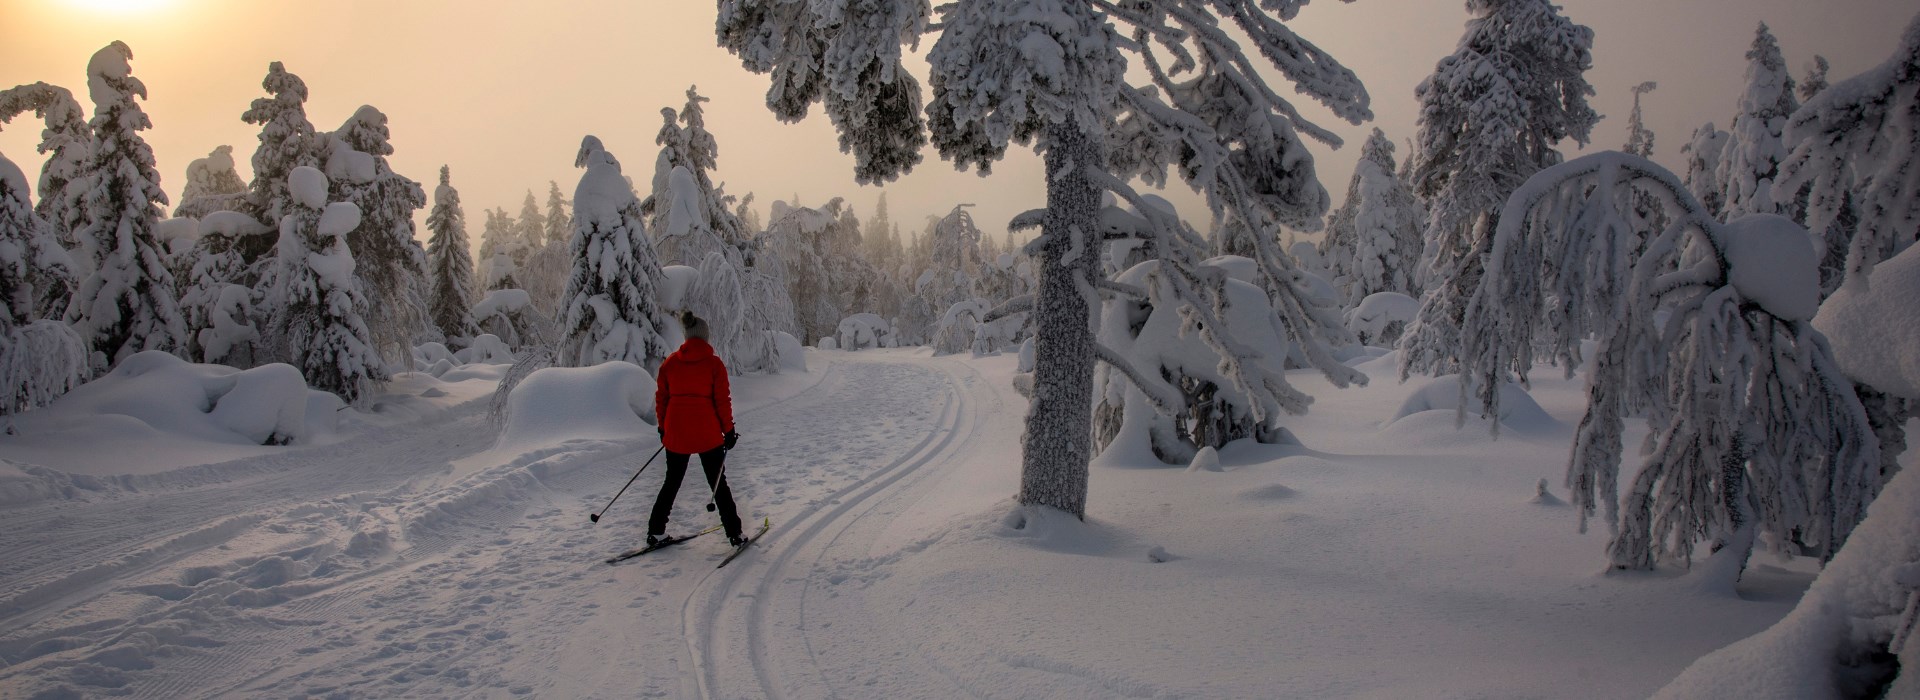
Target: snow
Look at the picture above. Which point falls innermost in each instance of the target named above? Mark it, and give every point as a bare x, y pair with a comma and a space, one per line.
1773, 263
486, 349
1379, 310
231, 223
156, 411
502, 301
178, 233
1519, 413
1861, 325
423, 551
793, 355
607, 401
677, 280
309, 187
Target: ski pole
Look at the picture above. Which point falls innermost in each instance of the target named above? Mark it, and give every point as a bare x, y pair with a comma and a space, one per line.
595, 517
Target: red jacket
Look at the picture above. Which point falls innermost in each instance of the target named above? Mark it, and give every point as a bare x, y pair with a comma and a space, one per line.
692, 400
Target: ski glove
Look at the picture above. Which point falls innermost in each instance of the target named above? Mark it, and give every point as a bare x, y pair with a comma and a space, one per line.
731, 439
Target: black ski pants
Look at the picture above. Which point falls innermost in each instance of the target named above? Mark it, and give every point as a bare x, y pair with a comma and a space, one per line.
713, 462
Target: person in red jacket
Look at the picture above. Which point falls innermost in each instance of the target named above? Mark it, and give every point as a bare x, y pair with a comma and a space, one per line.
694, 407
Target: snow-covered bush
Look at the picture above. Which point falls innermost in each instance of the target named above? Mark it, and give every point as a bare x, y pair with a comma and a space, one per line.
510, 316
487, 349
1381, 317
1173, 366
1754, 427
1859, 322
864, 330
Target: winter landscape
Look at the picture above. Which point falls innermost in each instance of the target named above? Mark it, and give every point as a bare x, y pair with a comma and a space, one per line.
1247, 349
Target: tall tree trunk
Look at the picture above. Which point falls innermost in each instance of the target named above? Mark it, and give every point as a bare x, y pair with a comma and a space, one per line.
1059, 436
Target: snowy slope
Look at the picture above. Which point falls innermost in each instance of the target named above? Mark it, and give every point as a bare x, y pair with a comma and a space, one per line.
418, 556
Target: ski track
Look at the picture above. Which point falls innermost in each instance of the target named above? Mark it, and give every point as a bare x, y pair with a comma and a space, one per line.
737, 650
366, 569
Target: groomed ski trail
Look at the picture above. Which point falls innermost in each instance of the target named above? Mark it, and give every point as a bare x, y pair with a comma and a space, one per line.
406, 564
746, 629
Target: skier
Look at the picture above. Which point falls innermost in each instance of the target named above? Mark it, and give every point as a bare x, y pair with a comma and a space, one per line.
695, 409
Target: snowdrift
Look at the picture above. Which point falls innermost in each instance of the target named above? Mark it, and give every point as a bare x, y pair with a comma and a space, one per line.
1441, 396
154, 398
611, 400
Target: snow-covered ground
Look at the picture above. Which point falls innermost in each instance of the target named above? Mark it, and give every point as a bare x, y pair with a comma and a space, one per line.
413, 552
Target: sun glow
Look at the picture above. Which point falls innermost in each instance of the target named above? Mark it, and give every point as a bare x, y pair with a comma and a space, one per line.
120, 8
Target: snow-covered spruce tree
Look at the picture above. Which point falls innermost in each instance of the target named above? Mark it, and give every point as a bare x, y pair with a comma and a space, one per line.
390, 263
1754, 428
610, 309
550, 262
1703, 160
64, 141
218, 305
1816, 80
1750, 162
1858, 161
212, 185
321, 315
40, 359
1051, 73
1490, 116
502, 252
126, 303
1639, 137
449, 265
799, 243
287, 141
686, 144
1376, 234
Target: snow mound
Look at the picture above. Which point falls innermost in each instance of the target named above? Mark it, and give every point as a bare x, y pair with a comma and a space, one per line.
1771, 261
1377, 313
485, 349
1206, 459
155, 395
864, 330
428, 354
1860, 322
502, 301
1518, 410
793, 356
611, 400
675, 281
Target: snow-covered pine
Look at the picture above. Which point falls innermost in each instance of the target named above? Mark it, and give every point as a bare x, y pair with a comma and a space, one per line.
1052, 73
1639, 137
449, 265
126, 304
1373, 241
218, 305
1750, 162
287, 141
321, 313
502, 252
1754, 428
611, 306
549, 264
213, 184
1703, 160
1857, 157
1816, 80
64, 141
388, 260
40, 359
1490, 116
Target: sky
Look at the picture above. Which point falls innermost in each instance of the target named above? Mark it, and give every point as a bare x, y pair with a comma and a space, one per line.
502, 91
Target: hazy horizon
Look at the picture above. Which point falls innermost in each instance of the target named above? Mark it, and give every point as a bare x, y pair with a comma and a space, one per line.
503, 92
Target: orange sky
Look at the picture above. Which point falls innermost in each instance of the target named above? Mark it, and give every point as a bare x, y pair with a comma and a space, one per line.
502, 91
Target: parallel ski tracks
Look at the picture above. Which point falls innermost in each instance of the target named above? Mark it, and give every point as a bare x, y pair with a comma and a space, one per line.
801, 540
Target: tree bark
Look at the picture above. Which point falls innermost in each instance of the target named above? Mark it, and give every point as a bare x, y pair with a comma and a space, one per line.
1058, 440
